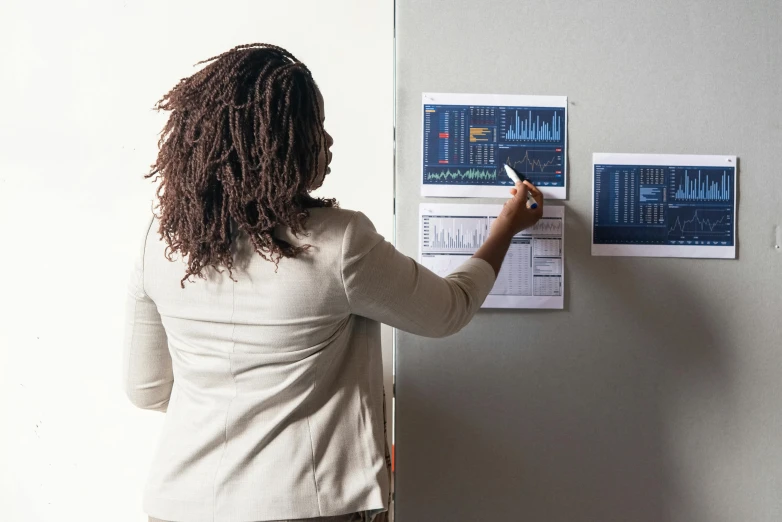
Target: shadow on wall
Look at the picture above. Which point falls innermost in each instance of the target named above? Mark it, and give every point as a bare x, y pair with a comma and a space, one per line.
566, 432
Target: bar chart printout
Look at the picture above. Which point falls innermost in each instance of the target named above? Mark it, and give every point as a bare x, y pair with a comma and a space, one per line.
467, 138
661, 205
532, 275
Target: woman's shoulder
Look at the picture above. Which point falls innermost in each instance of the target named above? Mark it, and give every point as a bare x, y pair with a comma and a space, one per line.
350, 229
331, 214
336, 220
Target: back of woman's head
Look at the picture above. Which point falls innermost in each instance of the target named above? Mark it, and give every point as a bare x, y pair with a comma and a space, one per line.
242, 148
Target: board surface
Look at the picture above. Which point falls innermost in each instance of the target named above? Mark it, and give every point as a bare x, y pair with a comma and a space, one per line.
654, 396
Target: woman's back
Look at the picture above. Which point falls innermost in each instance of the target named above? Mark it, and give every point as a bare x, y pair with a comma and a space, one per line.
276, 407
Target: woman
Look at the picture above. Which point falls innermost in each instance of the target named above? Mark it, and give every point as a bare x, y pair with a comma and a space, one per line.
254, 308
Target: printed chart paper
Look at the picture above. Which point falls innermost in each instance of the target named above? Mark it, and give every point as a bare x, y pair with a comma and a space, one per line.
532, 275
664, 205
467, 138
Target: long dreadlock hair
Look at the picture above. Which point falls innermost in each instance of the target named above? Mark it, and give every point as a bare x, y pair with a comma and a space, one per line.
240, 149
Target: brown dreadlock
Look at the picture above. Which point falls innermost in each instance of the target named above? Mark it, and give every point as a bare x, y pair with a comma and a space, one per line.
239, 151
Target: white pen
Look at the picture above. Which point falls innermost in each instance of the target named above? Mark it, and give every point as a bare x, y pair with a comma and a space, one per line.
512, 174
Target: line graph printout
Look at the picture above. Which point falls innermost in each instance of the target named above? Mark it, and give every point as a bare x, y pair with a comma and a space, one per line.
664, 205
467, 138
532, 275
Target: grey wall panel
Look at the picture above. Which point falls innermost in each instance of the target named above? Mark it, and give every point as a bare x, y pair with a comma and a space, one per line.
655, 395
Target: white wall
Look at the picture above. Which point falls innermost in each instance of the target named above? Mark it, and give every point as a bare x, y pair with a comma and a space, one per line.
76, 136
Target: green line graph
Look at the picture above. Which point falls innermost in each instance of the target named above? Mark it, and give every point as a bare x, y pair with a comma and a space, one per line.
467, 175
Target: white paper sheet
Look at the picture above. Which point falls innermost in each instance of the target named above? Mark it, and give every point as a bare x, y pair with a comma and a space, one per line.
466, 139
532, 275
664, 205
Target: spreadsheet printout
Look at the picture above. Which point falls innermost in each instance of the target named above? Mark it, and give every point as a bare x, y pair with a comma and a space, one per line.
532, 274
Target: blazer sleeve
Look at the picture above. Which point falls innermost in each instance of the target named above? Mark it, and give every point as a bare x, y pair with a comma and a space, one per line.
147, 370
383, 284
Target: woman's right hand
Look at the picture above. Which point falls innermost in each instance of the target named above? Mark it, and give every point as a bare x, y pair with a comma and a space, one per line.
515, 216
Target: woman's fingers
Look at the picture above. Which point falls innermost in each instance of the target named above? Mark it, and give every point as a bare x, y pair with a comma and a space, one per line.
538, 195
521, 192
532, 188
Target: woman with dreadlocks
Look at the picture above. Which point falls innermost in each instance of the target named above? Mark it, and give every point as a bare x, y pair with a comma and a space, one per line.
254, 308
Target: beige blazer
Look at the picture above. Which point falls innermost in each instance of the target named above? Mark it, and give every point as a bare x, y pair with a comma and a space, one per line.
273, 385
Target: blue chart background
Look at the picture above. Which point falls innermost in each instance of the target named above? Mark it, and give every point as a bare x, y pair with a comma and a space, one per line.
672, 205
502, 134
